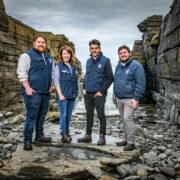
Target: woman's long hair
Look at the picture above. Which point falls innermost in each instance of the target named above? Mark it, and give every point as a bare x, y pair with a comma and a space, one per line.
69, 50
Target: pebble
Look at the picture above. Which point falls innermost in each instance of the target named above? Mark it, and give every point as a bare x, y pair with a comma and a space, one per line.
162, 156
161, 148
1, 115
168, 171
158, 137
9, 114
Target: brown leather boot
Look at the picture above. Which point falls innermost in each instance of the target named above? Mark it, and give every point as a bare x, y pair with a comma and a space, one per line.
65, 139
85, 139
102, 140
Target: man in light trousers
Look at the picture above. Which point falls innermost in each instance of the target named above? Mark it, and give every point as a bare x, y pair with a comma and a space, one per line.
129, 87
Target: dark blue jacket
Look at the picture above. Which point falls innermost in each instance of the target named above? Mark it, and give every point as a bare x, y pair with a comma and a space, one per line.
129, 80
99, 75
68, 82
40, 72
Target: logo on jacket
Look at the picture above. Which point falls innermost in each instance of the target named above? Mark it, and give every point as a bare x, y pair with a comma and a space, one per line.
127, 71
64, 71
50, 60
99, 65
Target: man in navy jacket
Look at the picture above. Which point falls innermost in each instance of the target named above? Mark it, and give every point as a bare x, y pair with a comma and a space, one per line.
129, 87
98, 79
35, 72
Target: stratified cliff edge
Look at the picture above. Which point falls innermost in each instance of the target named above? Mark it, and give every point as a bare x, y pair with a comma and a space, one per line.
15, 38
159, 52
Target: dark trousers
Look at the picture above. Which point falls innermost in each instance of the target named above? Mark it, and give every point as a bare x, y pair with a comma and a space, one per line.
36, 110
97, 102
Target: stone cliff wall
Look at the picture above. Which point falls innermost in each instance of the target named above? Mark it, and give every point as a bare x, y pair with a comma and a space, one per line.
138, 54
161, 54
151, 28
3, 19
15, 38
145, 51
168, 65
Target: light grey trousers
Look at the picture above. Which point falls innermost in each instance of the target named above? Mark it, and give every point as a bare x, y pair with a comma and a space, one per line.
126, 111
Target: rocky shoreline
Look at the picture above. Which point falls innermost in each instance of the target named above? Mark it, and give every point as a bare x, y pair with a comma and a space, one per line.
158, 144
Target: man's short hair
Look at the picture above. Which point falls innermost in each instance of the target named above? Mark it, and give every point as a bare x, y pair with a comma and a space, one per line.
94, 41
124, 47
39, 35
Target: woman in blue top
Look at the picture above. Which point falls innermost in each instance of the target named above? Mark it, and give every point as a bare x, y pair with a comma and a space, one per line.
66, 82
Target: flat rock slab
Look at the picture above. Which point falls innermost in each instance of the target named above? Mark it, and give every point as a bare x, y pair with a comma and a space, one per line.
59, 161
56, 160
43, 161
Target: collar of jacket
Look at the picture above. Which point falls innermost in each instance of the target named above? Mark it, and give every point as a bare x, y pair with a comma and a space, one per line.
98, 58
67, 65
126, 63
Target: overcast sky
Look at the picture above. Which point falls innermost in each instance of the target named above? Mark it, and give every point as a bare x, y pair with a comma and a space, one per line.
113, 22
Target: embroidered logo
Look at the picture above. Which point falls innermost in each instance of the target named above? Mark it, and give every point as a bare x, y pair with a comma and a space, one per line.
127, 71
64, 71
50, 60
99, 65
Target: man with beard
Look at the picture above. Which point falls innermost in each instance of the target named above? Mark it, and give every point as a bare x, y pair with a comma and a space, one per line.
35, 72
98, 78
129, 87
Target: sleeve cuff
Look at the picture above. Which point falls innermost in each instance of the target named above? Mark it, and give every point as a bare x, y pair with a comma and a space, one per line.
23, 79
102, 91
136, 98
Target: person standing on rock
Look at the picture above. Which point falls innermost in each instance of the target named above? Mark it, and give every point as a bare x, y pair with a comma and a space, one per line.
66, 82
35, 72
98, 79
129, 87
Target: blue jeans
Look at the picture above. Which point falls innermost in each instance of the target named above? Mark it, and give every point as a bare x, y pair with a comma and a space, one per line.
66, 108
36, 110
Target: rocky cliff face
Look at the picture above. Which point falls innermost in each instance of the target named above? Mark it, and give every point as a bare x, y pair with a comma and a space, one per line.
138, 54
161, 54
15, 38
168, 65
3, 20
146, 51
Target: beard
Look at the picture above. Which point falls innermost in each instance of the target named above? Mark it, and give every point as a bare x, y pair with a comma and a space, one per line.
95, 55
125, 59
41, 49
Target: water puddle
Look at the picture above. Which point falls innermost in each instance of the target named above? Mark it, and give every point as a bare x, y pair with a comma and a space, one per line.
74, 153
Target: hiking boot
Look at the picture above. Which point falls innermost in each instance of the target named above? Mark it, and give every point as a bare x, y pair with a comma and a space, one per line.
69, 136
121, 143
43, 139
129, 147
28, 147
65, 139
102, 140
85, 139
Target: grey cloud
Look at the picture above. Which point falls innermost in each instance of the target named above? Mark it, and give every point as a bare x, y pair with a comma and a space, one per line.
113, 22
